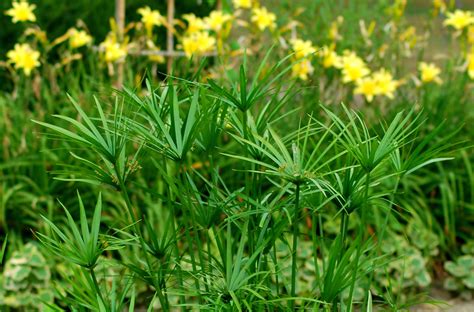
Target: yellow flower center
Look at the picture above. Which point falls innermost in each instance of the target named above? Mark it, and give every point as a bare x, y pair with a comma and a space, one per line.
368, 87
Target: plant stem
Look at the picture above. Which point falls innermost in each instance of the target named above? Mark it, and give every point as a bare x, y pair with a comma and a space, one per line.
187, 207
173, 218
249, 192
382, 234
343, 228
139, 233
343, 233
295, 245
96, 284
362, 236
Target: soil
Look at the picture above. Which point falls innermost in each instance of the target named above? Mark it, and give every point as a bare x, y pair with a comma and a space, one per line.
449, 304
456, 305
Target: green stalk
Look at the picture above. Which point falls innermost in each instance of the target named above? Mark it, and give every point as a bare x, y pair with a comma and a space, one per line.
140, 234
392, 199
209, 253
314, 238
248, 186
173, 224
295, 245
343, 228
277, 283
343, 231
382, 235
244, 124
96, 284
187, 208
208, 238
362, 231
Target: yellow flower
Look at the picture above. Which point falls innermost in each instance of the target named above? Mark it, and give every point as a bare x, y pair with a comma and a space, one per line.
470, 35
198, 43
113, 51
302, 48
459, 19
302, 69
470, 64
409, 36
380, 83
156, 58
398, 8
368, 87
195, 24
150, 18
330, 58
216, 20
429, 72
22, 12
333, 32
439, 6
353, 67
263, 19
242, 4
386, 85
24, 57
78, 38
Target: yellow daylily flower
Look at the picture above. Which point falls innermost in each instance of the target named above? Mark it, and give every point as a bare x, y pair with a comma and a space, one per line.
198, 43
155, 58
470, 64
409, 36
195, 24
429, 72
330, 58
242, 4
113, 51
367, 87
78, 38
470, 35
150, 18
439, 6
22, 12
398, 8
263, 18
24, 57
217, 20
459, 19
353, 67
302, 48
386, 85
333, 32
302, 69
